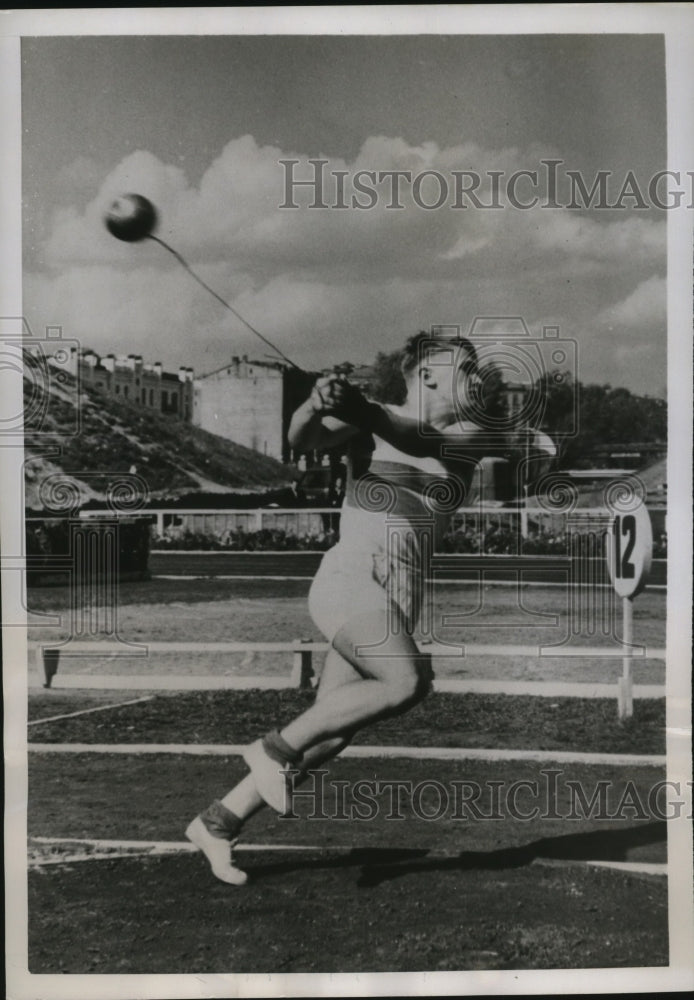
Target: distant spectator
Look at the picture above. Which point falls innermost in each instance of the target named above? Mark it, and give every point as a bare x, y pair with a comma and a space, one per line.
298, 494
337, 490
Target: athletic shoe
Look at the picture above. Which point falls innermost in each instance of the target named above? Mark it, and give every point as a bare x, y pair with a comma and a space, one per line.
217, 851
271, 778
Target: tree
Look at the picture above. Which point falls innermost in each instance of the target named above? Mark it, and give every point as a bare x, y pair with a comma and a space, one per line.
388, 384
492, 402
582, 418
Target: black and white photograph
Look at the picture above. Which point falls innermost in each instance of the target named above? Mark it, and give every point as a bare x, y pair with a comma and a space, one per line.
346, 444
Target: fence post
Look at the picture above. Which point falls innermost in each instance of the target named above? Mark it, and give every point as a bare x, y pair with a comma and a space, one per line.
625, 696
302, 670
50, 659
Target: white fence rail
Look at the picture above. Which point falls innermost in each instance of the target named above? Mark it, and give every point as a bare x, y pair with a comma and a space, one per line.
296, 521
303, 674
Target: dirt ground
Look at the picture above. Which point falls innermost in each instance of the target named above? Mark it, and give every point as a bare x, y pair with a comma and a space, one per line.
259, 610
493, 885
406, 894
448, 720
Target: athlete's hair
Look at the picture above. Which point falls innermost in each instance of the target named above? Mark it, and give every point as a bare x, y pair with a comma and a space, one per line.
424, 343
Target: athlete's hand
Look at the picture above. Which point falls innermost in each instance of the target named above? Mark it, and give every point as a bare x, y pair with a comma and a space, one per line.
325, 394
350, 404
333, 395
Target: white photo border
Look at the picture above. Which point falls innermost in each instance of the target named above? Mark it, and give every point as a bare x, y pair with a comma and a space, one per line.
676, 23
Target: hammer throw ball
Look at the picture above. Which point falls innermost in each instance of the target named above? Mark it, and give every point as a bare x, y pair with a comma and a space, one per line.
131, 218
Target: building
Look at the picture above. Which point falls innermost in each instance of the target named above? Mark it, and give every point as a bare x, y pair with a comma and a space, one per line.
515, 398
251, 402
242, 401
130, 380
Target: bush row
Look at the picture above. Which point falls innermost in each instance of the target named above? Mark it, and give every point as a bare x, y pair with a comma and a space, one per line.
500, 541
265, 540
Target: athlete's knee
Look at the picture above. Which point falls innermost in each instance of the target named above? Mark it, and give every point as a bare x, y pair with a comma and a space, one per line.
405, 689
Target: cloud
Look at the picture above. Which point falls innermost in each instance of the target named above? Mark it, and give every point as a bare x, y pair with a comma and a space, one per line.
645, 306
327, 283
81, 238
373, 218
560, 230
115, 311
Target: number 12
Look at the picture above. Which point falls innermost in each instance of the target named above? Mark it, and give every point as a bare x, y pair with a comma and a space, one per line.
623, 566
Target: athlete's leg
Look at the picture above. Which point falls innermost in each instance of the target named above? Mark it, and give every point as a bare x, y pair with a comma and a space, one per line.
393, 676
214, 831
337, 673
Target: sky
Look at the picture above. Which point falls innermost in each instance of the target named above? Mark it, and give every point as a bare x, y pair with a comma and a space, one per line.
200, 126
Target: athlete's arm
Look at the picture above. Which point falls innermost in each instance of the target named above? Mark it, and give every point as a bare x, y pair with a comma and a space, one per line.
336, 411
459, 442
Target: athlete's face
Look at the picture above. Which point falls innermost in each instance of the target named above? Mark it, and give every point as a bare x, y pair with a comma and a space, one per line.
467, 383
457, 383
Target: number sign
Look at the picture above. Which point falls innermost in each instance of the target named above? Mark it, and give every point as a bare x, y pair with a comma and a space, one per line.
629, 551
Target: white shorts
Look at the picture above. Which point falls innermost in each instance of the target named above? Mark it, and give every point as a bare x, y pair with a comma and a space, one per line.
359, 576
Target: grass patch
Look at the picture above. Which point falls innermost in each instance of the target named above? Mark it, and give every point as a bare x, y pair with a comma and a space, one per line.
447, 720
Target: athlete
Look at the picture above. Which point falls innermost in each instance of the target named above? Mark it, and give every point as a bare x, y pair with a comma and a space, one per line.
409, 467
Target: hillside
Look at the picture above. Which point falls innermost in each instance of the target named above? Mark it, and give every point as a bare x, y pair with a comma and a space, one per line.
111, 437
